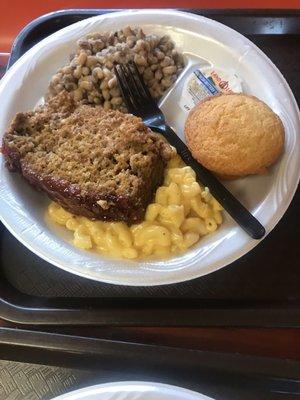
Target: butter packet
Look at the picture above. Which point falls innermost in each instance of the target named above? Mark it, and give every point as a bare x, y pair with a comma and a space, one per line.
207, 82
196, 88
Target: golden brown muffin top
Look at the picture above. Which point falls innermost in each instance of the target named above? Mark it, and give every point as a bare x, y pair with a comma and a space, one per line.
234, 135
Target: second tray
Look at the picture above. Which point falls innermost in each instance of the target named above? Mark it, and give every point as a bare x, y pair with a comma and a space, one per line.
83, 361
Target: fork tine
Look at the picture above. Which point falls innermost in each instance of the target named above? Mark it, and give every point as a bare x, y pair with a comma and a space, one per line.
140, 82
136, 95
125, 88
135, 82
132, 85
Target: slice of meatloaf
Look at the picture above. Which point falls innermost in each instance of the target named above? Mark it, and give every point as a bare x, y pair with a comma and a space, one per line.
96, 163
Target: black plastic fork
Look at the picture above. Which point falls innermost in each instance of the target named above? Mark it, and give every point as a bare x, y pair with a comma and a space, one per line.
139, 102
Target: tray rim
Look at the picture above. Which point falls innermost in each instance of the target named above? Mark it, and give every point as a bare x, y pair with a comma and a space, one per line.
96, 347
279, 316
24, 309
261, 377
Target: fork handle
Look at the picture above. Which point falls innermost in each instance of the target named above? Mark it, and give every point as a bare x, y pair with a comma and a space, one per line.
234, 208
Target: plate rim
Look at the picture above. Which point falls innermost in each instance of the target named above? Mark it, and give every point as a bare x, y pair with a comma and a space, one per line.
117, 384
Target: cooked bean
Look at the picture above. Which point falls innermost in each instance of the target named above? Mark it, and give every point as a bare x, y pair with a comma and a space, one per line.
159, 54
158, 74
106, 105
84, 44
160, 90
169, 70
151, 82
67, 78
143, 53
81, 59
97, 100
104, 84
127, 31
98, 72
147, 46
154, 67
56, 78
166, 82
120, 35
165, 62
123, 109
86, 85
87, 78
66, 70
140, 60
95, 92
116, 101
140, 45
90, 98
77, 72
109, 64
91, 61
74, 62
164, 39
130, 40
59, 87
106, 94
140, 34
90, 76
107, 72
152, 59
70, 86
100, 58
117, 56
154, 93
115, 92
85, 70
141, 69
97, 45
163, 48
112, 82
171, 45
148, 74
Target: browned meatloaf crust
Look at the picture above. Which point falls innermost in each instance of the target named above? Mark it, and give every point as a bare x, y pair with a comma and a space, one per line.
96, 163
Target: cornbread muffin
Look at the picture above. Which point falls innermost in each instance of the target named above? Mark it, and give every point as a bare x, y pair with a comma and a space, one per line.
95, 163
234, 135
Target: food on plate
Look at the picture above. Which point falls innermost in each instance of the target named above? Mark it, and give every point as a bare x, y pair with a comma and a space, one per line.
181, 213
89, 75
95, 163
119, 187
234, 135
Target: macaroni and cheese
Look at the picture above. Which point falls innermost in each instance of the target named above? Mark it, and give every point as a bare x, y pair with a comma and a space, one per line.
182, 212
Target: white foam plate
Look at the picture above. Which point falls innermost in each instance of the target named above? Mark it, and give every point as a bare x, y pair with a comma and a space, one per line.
133, 391
201, 39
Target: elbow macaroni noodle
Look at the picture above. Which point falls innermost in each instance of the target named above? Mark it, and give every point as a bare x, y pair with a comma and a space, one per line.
182, 212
